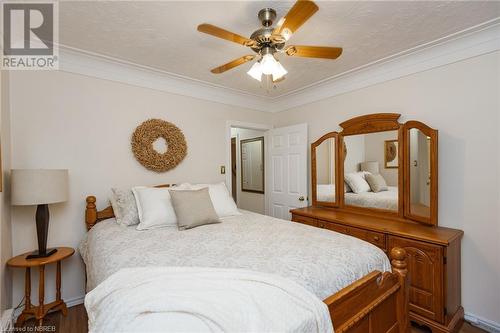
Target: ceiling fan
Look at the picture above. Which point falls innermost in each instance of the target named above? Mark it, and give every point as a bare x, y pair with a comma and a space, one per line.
269, 41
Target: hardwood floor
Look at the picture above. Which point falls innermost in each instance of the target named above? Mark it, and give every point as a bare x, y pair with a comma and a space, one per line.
76, 322
466, 328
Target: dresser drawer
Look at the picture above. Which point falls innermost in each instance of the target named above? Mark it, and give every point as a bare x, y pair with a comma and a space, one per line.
305, 220
376, 238
334, 227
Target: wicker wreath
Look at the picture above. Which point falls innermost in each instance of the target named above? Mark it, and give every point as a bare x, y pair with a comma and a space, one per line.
147, 133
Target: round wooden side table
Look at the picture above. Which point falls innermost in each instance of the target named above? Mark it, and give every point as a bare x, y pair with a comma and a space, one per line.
39, 312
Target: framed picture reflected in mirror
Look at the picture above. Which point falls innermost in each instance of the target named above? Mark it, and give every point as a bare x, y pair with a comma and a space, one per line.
391, 154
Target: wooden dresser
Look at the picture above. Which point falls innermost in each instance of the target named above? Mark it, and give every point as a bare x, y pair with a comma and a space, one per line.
434, 259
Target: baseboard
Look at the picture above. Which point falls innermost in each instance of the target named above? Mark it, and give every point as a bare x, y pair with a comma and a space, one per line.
75, 301
485, 324
69, 303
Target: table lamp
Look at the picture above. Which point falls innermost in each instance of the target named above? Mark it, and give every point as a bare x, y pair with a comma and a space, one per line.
39, 187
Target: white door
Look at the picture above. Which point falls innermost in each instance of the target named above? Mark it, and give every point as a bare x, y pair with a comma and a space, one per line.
286, 178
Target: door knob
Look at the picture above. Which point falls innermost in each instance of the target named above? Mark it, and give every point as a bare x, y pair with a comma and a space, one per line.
301, 198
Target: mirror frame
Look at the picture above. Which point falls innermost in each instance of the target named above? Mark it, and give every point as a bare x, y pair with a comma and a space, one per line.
261, 139
433, 135
373, 123
314, 180
381, 122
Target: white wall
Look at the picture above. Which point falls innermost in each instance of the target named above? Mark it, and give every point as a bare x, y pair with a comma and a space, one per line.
254, 202
462, 101
62, 120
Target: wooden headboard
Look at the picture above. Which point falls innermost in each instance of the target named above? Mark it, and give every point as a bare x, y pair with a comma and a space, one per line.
93, 216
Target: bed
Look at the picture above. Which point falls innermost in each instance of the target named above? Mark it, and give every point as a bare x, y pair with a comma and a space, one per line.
351, 276
382, 200
387, 200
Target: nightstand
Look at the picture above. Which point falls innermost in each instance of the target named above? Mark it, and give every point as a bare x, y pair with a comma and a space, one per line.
39, 312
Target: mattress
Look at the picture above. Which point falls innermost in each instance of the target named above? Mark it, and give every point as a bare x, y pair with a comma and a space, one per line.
320, 260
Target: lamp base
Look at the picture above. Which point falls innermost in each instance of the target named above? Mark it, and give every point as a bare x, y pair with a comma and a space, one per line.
37, 254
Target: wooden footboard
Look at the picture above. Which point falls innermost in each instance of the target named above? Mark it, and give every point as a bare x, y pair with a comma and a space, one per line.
375, 303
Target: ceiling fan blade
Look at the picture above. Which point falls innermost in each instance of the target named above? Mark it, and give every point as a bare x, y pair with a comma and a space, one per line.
224, 34
324, 52
301, 11
232, 64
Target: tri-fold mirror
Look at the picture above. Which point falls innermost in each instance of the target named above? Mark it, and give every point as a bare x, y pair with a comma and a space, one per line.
378, 165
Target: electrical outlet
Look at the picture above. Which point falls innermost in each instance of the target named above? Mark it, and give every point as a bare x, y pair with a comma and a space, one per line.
222, 169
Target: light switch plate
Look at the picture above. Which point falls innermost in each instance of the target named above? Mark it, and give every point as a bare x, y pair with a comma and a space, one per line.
223, 169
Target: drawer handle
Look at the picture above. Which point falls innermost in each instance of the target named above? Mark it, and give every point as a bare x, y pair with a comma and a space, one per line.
376, 238
321, 225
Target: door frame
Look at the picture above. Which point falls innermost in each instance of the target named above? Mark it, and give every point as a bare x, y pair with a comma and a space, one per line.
246, 125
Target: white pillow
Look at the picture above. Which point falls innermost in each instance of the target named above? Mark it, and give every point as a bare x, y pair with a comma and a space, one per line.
154, 207
357, 182
223, 202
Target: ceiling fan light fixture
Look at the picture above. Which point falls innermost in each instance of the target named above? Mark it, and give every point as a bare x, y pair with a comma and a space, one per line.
279, 71
256, 71
268, 64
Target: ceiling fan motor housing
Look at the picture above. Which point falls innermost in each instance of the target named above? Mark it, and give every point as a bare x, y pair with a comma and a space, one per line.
263, 36
267, 16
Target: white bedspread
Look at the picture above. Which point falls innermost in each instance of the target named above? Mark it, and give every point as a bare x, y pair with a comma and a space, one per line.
189, 299
325, 192
382, 200
322, 261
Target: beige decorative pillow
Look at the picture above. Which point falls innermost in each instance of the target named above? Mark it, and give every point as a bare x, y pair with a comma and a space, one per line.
377, 182
124, 207
357, 182
193, 208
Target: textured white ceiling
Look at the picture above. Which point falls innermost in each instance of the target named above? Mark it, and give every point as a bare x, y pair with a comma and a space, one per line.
163, 34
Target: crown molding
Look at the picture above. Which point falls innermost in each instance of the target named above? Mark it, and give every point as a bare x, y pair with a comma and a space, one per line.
472, 42
86, 63
457, 47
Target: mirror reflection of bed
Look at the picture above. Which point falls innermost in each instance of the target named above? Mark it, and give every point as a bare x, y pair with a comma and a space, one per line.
371, 170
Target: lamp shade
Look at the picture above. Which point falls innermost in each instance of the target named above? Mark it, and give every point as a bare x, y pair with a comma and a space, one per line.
370, 166
38, 186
